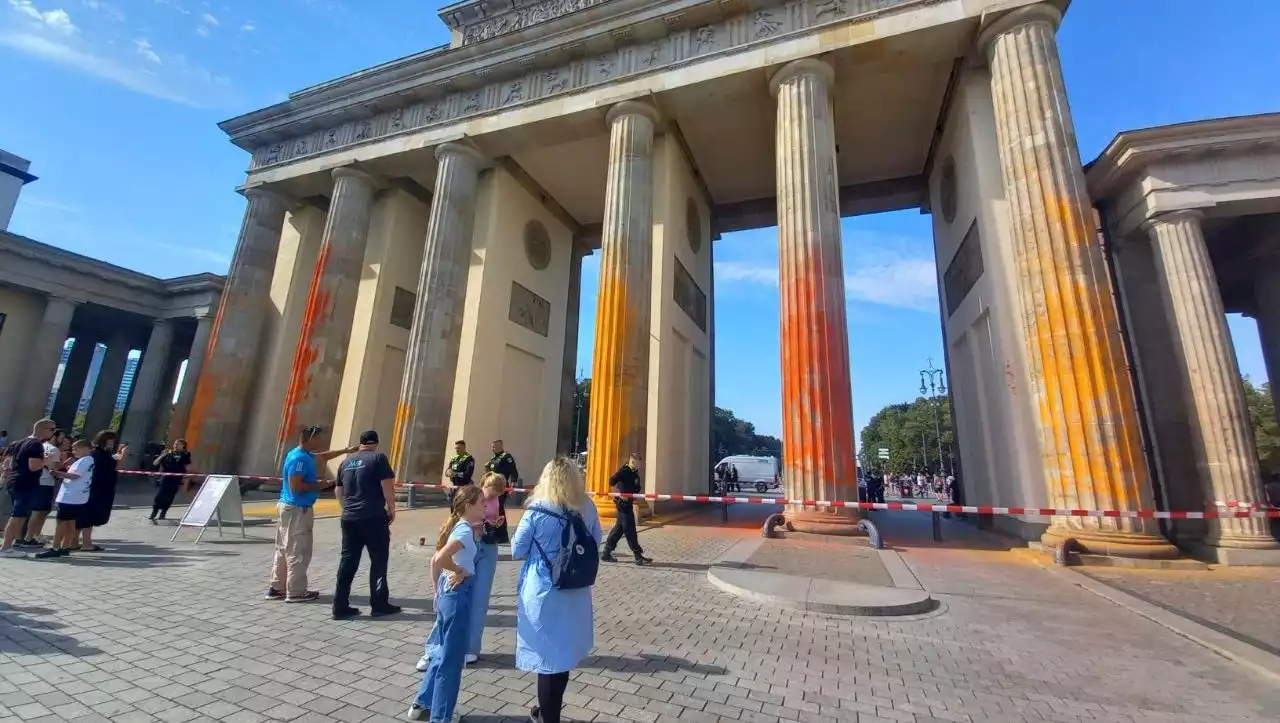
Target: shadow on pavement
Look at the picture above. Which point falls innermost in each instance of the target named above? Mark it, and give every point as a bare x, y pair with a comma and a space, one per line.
641, 663
915, 529
23, 634
119, 553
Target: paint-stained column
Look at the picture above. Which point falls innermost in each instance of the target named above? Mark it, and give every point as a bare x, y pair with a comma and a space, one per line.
321, 356
426, 393
1087, 411
1221, 434
620, 360
817, 402
190, 377
216, 419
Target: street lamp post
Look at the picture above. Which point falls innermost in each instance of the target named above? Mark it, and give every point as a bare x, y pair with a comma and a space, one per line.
577, 411
933, 384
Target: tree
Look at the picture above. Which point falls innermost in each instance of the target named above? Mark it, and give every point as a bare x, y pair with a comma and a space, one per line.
907, 430
1262, 413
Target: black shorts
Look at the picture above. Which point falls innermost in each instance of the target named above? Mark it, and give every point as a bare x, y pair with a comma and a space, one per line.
68, 513
42, 498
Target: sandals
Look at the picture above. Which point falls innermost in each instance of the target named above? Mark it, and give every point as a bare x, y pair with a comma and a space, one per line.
95, 548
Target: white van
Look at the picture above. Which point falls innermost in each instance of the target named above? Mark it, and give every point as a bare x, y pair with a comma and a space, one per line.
760, 473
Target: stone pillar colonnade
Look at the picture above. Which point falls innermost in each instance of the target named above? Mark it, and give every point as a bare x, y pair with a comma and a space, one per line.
55, 324
148, 387
321, 355
102, 405
419, 441
1266, 292
75, 372
1086, 406
222, 389
191, 377
817, 402
620, 362
1225, 452
569, 369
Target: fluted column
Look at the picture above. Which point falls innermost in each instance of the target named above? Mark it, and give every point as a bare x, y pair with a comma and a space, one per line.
419, 442
1080, 384
321, 356
46, 351
231, 356
102, 405
817, 403
620, 360
148, 387
1226, 454
1266, 292
191, 377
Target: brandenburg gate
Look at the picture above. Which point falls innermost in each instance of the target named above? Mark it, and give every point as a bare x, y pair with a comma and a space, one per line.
411, 252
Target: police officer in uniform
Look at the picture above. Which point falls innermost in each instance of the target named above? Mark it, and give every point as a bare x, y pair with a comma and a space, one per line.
503, 463
461, 468
626, 479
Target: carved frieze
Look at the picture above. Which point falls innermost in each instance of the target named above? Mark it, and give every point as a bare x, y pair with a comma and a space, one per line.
524, 17
529, 310
516, 83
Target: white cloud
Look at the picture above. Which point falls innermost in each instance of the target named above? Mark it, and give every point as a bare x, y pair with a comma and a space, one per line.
248, 27
143, 46
741, 271
56, 21
209, 19
107, 9
202, 31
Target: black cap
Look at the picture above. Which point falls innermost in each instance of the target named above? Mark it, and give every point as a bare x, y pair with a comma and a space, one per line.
369, 437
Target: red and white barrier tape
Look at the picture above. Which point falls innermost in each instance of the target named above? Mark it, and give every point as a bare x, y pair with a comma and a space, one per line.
1233, 509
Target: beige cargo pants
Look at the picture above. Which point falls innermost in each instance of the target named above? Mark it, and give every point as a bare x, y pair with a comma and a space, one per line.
293, 550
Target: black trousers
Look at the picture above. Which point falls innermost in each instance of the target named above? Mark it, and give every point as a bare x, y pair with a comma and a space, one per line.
551, 687
167, 490
357, 536
625, 525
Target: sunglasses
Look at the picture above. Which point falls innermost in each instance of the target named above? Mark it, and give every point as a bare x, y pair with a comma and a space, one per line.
310, 433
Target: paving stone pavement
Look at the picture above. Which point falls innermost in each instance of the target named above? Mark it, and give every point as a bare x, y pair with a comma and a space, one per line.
153, 631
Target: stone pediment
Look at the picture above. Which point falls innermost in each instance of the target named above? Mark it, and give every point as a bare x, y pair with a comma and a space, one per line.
477, 20
441, 87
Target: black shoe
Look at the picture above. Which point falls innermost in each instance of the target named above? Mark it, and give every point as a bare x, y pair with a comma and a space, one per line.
46, 554
642, 560
273, 594
385, 611
607, 556
345, 613
535, 715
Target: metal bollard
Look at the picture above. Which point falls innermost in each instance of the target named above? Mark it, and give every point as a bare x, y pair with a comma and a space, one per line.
1062, 555
937, 526
724, 512
772, 521
873, 533
409, 501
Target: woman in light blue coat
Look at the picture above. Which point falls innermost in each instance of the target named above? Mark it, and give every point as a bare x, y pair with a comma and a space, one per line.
554, 628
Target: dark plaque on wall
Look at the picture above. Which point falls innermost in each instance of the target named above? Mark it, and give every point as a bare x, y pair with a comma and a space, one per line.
689, 297
530, 310
947, 190
402, 303
964, 270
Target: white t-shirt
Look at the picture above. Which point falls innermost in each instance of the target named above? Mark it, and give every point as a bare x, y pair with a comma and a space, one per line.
50, 452
76, 491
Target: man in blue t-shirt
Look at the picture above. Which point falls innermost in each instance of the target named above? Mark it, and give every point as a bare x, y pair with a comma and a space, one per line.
298, 493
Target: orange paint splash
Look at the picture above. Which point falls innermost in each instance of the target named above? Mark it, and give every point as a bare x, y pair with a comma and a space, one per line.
319, 305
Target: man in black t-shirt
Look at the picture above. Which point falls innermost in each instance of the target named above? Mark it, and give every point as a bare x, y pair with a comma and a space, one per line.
24, 482
366, 490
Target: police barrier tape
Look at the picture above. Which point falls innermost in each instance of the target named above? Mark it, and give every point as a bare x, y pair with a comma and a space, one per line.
1232, 509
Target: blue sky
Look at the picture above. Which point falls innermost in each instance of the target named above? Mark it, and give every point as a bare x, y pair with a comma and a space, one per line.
116, 104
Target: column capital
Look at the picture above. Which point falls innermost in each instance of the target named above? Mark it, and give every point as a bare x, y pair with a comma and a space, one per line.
356, 173
266, 193
815, 67
461, 149
1171, 217
1026, 15
632, 107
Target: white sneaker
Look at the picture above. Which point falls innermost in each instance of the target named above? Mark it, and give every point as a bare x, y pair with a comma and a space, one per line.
417, 713
470, 658
423, 663
10, 552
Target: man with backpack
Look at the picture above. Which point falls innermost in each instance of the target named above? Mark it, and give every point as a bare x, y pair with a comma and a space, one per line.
625, 480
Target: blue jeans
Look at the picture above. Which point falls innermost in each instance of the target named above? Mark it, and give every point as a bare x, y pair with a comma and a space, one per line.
486, 566
446, 646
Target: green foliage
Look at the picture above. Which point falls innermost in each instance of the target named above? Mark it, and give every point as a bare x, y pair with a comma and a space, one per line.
903, 429
1262, 413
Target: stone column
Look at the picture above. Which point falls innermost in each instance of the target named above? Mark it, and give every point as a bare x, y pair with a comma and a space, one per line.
102, 405
1221, 434
1266, 292
216, 416
74, 374
419, 442
147, 388
1080, 385
569, 362
195, 363
817, 399
46, 351
620, 360
321, 356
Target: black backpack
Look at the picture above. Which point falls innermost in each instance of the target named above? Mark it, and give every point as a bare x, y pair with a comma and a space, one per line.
579, 559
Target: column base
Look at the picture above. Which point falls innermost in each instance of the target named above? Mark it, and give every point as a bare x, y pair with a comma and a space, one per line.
1241, 542
1112, 544
831, 521
1235, 556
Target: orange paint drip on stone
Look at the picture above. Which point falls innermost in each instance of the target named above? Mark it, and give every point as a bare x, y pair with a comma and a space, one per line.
318, 306
207, 387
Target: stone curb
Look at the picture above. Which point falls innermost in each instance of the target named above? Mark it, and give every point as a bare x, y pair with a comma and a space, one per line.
1257, 660
824, 596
